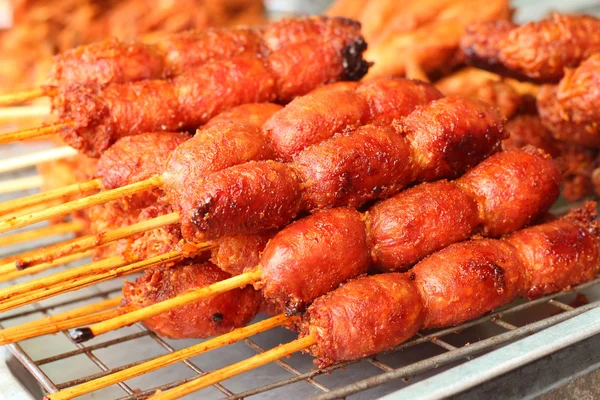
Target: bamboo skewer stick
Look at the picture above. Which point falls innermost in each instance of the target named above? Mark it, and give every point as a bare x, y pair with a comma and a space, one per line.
21, 97
113, 264
59, 322
88, 242
52, 230
79, 204
168, 359
30, 209
29, 160
33, 133
235, 369
44, 266
84, 276
21, 184
24, 112
62, 193
85, 334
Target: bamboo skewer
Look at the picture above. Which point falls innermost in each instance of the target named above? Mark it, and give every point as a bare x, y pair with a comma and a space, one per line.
29, 160
81, 277
62, 193
168, 359
88, 242
21, 184
235, 369
21, 97
52, 230
24, 112
79, 204
59, 322
85, 334
34, 133
44, 266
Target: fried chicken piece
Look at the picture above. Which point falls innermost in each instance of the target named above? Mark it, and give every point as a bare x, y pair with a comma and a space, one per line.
537, 51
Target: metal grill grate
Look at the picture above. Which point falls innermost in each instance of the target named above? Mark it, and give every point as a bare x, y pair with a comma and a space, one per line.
485, 334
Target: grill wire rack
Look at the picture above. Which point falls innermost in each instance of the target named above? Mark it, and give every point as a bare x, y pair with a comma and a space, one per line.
53, 362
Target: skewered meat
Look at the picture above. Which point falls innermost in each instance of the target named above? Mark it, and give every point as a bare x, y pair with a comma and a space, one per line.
233, 254
454, 285
577, 162
315, 254
506, 192
443, 139
102, 115
113, 61
135, 158
212, 316
537, 51
380, 101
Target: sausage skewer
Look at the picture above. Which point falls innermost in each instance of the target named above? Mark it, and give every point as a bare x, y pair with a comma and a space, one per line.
372, 314
113, 61
92, 117
293, 271
286, 134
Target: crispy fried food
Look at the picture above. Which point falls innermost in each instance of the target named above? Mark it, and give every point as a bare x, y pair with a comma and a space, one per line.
331, 244
537, 51
208, 317
435, 138
578, 93
557, 121
577, 162
461, 282
317, 116
413, 224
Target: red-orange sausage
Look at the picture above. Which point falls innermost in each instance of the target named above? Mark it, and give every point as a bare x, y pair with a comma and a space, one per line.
313, 256
259, 195
370, 163
363, 317
417, 222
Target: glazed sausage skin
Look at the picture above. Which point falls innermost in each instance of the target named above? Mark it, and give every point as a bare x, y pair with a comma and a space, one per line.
381, 101
449, 131
390, 99
332, 242
219, 146
368, 315
512, 190
288, 131
208, 317
255, 114
258, 195
413, 224
135, 158
106, 62
559, 254
370, 163
466, 280
452, 286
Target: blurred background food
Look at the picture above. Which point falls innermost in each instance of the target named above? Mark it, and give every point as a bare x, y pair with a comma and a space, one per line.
40, 29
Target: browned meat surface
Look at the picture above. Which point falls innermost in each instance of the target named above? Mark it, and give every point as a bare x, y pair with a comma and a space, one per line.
459, 283
537, 51
101, 115
504, 193
234, 254
331, 244
208, 317
445, 138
